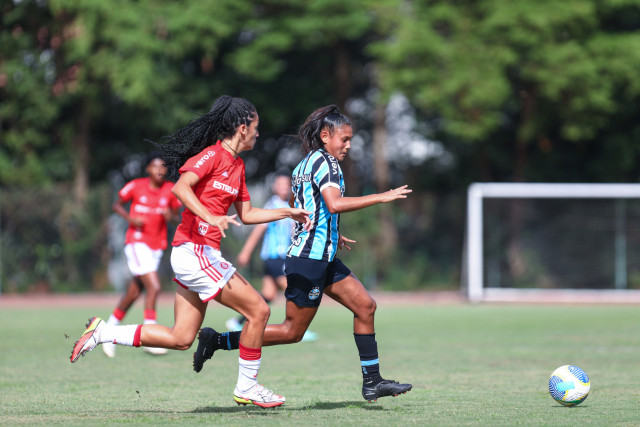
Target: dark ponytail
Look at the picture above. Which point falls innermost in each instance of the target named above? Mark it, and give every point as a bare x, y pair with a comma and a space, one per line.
222, 120
329, 118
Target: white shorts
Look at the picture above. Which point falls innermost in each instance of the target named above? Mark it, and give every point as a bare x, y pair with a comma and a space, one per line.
200, 269
141, 259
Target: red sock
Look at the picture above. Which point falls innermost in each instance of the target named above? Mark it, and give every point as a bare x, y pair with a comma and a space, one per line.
248, 353
119, 314
150, 315
136, 336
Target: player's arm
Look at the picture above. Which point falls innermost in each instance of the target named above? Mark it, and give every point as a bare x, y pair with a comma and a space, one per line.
252, 215
118, 207
183, 190
244, 256
336, 203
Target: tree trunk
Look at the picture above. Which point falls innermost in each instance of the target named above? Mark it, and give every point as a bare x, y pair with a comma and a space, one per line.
388, 233
342, 77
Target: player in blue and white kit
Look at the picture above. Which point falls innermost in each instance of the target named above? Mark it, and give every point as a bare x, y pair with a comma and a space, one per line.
276, 238
311, 267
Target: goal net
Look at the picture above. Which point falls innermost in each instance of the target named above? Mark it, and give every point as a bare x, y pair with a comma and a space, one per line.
553, 242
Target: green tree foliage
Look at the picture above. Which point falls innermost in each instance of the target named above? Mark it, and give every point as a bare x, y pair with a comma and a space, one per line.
534, 73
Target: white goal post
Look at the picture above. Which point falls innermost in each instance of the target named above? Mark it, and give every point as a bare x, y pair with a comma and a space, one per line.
473, 271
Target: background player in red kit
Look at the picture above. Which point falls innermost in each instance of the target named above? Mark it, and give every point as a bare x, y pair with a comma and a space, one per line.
203, 157
152, 206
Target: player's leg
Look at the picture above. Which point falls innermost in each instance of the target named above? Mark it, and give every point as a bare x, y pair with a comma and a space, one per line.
303, 298
239, 295
189, 312
350, 292
268, 292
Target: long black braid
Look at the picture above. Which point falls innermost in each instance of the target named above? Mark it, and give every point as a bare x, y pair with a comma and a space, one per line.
329, 118
222, 120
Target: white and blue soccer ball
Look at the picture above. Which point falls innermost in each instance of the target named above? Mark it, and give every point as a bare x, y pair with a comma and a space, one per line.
569, 385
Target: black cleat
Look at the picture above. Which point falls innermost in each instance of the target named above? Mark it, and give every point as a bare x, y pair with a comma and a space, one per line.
384, 388
206, 347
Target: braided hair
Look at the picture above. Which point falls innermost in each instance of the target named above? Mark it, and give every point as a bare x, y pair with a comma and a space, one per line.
222, 120
329, 118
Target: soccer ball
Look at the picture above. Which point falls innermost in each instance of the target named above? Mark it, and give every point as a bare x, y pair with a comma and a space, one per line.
569, 385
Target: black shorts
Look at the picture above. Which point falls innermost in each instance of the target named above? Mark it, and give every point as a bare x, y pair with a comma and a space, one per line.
274, 267
307, 278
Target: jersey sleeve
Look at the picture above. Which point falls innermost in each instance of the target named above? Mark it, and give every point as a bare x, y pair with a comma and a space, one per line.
126, 193
202, 163
326, 172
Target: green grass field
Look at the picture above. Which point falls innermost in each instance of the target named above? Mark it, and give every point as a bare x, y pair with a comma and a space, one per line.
470, 365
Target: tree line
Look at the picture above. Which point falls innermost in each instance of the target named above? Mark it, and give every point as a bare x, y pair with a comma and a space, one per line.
496, 91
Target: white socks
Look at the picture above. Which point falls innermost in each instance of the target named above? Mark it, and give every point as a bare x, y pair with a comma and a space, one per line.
123, 335
248, 373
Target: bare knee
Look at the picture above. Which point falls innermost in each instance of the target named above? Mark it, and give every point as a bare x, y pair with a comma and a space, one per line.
292, 333
259, 313
366, 308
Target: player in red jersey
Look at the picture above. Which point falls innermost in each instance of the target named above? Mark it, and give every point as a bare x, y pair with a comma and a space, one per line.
152, 206
203, 157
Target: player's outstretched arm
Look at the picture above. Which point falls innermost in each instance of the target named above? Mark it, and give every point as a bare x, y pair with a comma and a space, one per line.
252, 215
336, 203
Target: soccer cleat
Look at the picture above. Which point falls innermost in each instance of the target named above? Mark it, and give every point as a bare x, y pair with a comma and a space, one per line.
89, 339
157, 351
384, 388
309, 336
206, 347
109, 349
258, 395
233, 325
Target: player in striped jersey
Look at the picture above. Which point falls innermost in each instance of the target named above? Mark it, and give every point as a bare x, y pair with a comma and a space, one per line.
275, 243
311, 267
203, 157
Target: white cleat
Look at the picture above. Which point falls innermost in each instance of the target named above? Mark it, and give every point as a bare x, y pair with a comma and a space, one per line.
258, 395
109, 349
156, 351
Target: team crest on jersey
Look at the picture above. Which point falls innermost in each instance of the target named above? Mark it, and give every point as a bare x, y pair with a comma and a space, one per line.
224, 265
314, 293
203, 227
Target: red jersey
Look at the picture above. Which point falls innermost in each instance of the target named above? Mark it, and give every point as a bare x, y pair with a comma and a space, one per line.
149, 204
221, 183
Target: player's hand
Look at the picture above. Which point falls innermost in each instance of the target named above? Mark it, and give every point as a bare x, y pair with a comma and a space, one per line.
343, 242
301, 215
396, 193
222, 222
136, 222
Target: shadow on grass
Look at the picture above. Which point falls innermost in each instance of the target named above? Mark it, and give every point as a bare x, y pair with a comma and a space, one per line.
318, 406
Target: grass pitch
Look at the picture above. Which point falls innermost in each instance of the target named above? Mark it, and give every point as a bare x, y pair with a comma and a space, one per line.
469, 364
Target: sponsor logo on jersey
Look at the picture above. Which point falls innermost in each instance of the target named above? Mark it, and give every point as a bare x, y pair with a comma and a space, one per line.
143, 199
224, 187
204, 158
314, 293
203, 227
142, 209
163, 201
225, 174
297, 180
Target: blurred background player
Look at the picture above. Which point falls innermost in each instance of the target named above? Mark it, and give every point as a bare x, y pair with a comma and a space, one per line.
277, 238
152, 206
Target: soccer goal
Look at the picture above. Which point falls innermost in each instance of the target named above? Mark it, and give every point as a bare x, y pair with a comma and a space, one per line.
552, 242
